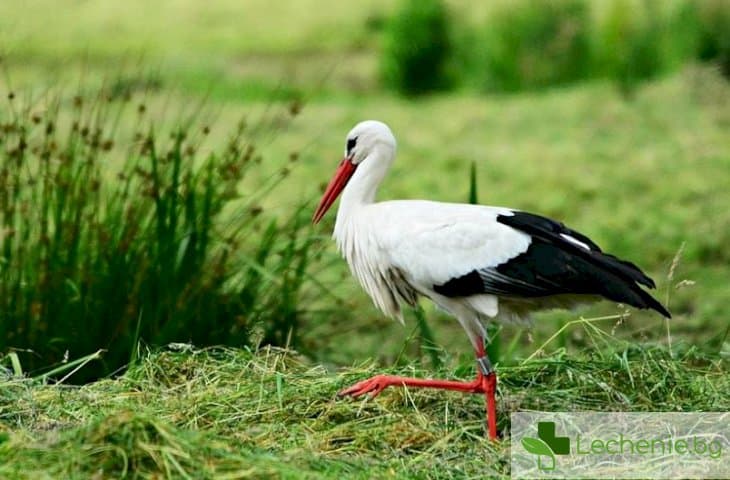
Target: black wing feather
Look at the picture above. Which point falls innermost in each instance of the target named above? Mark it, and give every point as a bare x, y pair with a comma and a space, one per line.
554, 265
551, 231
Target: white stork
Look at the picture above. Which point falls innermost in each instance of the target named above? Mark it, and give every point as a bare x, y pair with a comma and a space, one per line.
475, 262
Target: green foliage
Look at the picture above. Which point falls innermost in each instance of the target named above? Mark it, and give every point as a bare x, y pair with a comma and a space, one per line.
714, 40
417, 47
638, 40
525, 45
544, 43
532, 44
109, 239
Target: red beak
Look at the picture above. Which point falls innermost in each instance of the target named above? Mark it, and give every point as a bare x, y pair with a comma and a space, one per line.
338, 182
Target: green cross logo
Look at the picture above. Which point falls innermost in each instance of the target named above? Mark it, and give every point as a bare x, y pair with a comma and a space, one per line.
547, 444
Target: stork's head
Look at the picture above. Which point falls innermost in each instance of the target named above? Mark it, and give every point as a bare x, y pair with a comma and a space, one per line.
366, 137
370, 146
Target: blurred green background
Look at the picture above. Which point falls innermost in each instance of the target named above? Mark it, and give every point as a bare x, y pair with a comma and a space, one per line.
160, 161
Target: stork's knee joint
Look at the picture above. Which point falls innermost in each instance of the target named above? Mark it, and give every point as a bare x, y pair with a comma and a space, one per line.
485, 366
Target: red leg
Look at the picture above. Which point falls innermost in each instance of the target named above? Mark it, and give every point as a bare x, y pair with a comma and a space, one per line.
485, 382
489, 386
378, 383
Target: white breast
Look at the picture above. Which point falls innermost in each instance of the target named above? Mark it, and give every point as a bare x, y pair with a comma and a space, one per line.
358, 243
411, 246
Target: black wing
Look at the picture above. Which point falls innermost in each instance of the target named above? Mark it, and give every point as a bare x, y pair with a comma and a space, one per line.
558, 261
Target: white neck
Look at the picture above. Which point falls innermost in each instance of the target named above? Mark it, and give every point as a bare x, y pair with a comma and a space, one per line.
353, 229
363, 186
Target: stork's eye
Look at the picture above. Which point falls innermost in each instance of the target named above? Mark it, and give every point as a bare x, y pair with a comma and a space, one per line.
351, 144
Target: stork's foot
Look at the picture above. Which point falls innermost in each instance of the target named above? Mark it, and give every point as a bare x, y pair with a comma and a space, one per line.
378, 383
486, 384
373, 386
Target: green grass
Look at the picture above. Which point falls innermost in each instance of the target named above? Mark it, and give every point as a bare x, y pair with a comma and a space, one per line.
226, 413
118, 224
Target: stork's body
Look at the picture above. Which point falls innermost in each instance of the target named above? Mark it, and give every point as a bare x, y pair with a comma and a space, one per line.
476, 262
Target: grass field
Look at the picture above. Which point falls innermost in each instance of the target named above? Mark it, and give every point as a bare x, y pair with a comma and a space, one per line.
217, 413
647, 177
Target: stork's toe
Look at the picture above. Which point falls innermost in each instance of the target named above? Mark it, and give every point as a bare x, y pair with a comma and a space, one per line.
373, 386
